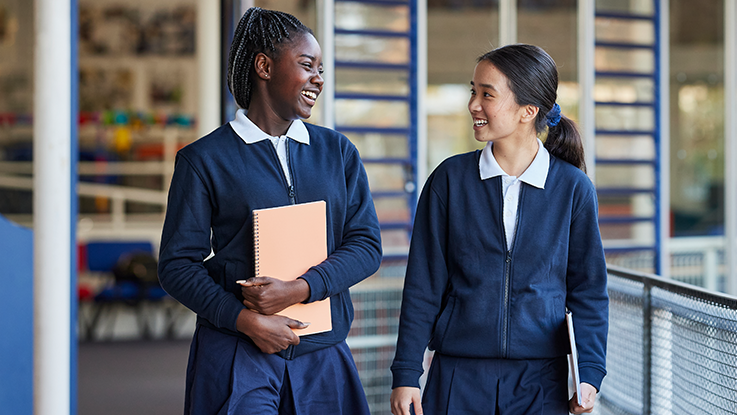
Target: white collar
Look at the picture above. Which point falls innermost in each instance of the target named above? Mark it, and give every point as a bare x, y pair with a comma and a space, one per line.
250, 133
535, 175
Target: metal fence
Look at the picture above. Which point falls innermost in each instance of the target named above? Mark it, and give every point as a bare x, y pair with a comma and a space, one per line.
672, 348
373, 337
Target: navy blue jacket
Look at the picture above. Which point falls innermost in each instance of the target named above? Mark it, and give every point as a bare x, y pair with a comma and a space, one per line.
465, 295
219, 180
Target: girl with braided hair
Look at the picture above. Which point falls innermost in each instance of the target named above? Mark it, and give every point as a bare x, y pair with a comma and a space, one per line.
244, 358
505, 240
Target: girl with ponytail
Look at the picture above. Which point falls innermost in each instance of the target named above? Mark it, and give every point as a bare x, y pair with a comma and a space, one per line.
245, 357
505, 241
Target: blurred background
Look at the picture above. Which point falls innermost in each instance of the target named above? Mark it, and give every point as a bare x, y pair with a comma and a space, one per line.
645, 79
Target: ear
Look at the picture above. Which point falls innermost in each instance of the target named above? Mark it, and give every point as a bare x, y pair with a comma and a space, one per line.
262, 65
529, 113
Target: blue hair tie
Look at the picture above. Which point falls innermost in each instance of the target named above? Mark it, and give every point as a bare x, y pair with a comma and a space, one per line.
553, 115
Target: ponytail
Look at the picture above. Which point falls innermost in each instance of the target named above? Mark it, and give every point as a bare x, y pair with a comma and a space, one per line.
564, 142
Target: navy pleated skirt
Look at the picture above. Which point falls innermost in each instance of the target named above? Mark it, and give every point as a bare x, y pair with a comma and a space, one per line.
458, 385
229, 375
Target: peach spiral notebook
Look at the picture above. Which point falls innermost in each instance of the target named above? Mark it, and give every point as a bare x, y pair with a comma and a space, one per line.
288, 240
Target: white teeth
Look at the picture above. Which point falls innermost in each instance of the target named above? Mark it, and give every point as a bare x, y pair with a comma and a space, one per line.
309, 94
479, 123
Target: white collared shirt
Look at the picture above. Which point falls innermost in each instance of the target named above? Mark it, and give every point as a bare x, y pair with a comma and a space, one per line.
535, 175
250, 133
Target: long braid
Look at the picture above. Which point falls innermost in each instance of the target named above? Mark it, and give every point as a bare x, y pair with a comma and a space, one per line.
258, 31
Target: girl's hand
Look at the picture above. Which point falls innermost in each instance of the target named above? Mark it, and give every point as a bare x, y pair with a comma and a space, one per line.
588, 398
271, 334
269, 295
401, 399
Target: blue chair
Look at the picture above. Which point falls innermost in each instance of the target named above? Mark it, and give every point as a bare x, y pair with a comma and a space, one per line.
103, 257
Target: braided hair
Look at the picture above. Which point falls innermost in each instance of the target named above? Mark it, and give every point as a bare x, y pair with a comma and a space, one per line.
258, 31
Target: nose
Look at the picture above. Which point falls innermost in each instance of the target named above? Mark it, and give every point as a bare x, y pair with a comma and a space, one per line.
318, 80
473, 105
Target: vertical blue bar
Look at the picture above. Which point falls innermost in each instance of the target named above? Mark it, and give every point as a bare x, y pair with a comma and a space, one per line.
73, 201
656, 135
413, 107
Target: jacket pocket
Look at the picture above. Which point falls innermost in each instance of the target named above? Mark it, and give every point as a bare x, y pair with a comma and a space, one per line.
443, 322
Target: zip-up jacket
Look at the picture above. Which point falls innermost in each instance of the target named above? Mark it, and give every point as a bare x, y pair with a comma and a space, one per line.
219, 180
467, 295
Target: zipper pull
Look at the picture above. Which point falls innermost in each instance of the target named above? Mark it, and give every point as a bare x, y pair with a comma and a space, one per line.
509, 257
291, 192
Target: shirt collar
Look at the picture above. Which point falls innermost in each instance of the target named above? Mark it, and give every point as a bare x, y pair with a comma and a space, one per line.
250, 133
535, 175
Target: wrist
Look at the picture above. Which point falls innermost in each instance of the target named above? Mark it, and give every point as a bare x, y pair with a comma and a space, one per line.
245, 321
300, 291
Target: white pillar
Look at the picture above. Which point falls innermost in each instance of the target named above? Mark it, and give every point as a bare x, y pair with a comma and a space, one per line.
507, 22
421, 94
52, 207
326, 33
208, 66
586, 79
730, 144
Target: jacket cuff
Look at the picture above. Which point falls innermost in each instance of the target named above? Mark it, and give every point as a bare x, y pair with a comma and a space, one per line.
405, 377
228, 315
318, 289
592, 376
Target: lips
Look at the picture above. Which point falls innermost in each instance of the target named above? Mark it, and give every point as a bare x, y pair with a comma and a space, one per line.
477, 122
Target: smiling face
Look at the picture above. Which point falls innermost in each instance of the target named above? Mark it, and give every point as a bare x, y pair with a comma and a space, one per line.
496, 115
295, 78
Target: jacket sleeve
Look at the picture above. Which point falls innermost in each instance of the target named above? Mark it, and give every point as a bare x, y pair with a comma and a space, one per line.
185, 243
587, 289
359, 253
424, 287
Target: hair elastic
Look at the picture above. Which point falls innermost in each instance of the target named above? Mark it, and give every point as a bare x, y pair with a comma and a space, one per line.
553, 115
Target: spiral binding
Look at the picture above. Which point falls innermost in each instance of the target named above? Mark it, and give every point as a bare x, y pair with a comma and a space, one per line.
255, 244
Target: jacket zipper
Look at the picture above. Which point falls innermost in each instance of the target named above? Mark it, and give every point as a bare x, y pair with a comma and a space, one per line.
292, 195
507, 274
289, 354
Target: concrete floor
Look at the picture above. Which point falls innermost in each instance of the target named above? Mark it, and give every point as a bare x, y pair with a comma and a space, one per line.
132, 377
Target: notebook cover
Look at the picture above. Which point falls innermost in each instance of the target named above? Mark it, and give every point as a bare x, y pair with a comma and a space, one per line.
573, 357
288, 240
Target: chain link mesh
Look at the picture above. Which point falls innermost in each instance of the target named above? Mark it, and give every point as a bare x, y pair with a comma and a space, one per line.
693, 355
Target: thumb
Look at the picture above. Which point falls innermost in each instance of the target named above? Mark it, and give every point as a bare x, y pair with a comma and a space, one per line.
251, 282
296, 324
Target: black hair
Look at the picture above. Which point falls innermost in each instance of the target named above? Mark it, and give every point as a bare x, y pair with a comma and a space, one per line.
258, 31
533, 79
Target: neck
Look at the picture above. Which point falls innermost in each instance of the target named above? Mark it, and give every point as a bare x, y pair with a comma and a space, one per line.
514, 157
267, 120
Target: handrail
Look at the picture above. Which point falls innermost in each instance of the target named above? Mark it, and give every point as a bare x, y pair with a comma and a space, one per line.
652, 280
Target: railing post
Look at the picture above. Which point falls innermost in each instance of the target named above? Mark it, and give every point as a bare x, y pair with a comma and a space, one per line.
646, 348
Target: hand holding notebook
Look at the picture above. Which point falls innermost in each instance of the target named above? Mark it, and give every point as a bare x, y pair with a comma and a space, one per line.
288, 240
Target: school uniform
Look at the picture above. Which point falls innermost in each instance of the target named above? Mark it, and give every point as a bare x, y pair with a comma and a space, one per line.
494, 262
218, 181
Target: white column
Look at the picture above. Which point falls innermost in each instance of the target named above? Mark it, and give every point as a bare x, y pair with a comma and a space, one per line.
507, 22
326, 32
730, 144
421, 93
208, 66
664, 121
586, 79
52, 207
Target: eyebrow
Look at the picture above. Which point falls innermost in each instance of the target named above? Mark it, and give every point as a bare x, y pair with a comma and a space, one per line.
489, 86
304, 55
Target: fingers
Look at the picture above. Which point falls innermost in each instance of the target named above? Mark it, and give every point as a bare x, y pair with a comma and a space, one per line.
417, 402
587, 405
